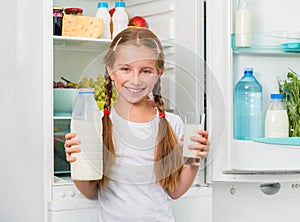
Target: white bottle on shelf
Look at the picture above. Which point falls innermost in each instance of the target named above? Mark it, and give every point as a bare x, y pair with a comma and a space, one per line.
277, 122
243, 25
103, 13
120, 18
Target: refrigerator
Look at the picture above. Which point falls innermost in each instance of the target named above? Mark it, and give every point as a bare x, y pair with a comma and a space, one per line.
239, 181
251, 181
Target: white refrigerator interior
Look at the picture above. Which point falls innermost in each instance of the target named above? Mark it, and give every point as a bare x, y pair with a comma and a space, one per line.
182, 87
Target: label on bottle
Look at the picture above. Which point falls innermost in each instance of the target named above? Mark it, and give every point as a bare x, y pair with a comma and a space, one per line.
276, 124
89, 161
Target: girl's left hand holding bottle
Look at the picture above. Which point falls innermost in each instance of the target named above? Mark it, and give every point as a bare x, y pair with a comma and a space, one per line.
71, 146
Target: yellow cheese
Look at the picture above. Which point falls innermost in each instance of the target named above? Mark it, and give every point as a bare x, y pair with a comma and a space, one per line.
82, 26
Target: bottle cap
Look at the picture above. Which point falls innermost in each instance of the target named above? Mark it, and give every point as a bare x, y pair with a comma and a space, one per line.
248, 70
120, 4
58, 8
102, 5
86, 91
73, 10
276, 96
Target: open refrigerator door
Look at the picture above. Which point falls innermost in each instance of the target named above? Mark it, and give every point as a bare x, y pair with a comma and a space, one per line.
250, 175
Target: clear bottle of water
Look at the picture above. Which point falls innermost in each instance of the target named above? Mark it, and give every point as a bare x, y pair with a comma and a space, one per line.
248, 107
86, 123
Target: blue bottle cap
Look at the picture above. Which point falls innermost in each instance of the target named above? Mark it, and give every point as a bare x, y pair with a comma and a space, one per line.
276, 96
102, 5
86, 91
120, 4
248, 70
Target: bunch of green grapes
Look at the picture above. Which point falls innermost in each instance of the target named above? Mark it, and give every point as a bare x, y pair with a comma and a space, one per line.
86, 83
99, 86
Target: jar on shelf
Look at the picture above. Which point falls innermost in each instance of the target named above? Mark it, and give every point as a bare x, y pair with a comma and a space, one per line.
58, 13
74, 11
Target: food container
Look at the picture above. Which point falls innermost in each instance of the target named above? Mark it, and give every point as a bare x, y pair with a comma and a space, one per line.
73, 11
63, 99
57, 20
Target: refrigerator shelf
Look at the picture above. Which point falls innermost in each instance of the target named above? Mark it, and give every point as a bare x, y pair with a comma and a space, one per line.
67, 43
270, 43
289, 141
254, 156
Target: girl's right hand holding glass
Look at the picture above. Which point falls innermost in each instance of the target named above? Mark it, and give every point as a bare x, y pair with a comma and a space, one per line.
71, 146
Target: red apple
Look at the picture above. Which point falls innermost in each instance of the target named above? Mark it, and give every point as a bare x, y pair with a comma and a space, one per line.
138, 21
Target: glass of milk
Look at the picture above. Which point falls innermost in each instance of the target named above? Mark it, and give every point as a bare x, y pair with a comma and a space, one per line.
192, 124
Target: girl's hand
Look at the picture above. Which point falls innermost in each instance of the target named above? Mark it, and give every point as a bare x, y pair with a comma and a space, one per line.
202, 144
71, 146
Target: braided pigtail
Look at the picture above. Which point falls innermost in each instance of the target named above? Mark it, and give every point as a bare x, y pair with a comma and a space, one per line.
108, 146
168, 153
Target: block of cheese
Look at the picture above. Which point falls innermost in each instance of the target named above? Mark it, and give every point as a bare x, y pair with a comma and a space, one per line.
82, 26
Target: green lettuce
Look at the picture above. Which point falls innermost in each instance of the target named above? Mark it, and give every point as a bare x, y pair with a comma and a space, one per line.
290, 88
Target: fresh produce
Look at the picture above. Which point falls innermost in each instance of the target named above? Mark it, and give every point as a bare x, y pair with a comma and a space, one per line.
60, 85
69, 83
98, 86
138, 21
290, 88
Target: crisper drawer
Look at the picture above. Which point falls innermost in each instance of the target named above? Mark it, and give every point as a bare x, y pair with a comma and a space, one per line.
264, 157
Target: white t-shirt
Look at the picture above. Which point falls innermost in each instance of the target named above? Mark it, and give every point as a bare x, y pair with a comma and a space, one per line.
132, 194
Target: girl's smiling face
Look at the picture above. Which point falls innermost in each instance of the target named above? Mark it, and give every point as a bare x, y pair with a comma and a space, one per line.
134, 73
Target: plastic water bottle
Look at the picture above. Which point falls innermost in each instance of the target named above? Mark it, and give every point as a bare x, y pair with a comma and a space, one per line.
247, 107
120, 18
103, 13
277, 121
86, 123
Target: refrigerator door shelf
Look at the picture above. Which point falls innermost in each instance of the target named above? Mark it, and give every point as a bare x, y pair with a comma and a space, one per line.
250, 156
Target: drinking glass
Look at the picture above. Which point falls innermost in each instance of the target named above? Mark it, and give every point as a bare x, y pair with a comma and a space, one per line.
193, 122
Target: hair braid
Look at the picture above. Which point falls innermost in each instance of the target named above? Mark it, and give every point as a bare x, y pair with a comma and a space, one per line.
168, 153
108, 146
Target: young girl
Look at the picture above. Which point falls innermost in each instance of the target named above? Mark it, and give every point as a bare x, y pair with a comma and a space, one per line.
143, 162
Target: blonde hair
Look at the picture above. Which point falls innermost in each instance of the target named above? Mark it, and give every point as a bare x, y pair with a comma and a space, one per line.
168, 152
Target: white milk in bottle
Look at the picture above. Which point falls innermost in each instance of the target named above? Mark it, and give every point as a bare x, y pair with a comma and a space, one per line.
102, 12
120, 18
243, 26
277, 122
86, 123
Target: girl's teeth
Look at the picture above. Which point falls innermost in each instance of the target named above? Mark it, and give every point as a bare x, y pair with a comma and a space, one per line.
135, 90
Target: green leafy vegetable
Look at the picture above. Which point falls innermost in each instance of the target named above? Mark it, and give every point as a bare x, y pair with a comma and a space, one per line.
290, 88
